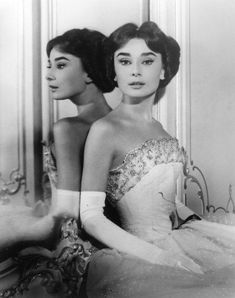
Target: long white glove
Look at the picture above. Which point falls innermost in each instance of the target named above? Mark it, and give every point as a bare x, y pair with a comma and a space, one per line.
101, 228
183, 211
104, 230
92, 204
65, 202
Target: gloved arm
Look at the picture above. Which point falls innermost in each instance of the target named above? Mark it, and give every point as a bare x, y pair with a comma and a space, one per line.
97, 225
183, 214
183, 211
65, 202
102, 229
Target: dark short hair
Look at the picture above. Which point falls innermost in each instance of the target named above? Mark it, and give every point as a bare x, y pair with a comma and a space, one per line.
88, 45
155, 39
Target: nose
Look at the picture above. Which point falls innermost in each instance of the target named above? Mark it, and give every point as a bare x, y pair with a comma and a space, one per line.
49, 75
136, 71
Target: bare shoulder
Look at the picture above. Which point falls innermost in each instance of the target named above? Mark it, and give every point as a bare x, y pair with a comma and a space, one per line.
70, 124
104, 128
70, 128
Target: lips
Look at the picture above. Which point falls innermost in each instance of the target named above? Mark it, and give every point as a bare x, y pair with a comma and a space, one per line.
53, 88
137, 83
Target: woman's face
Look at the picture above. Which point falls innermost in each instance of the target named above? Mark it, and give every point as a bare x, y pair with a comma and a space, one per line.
138, 69
66, 76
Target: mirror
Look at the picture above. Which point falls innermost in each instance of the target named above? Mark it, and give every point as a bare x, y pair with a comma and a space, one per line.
27, 112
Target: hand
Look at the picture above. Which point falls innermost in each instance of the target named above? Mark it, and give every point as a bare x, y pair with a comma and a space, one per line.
41, 208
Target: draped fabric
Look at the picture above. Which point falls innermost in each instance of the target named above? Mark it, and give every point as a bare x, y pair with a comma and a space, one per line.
143, 192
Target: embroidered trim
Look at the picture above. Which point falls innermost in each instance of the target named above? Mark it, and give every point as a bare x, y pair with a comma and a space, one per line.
138, 162
50, 164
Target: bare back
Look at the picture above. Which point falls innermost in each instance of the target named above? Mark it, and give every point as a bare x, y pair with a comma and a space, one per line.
70, 136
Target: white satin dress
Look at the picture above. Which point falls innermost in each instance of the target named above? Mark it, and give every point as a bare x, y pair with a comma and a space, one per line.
143, 191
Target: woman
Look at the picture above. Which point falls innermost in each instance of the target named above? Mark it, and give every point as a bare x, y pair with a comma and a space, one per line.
76, 72
138, 169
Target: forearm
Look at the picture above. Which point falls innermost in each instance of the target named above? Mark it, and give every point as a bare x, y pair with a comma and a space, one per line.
105, 231
183, 211
113, 236
65, 202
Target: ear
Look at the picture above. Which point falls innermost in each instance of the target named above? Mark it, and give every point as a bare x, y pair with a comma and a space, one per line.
115, 79
162, 74
87, 79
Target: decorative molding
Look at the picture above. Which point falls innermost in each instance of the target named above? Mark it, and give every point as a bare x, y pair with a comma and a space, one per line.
17, 176
158, 14
145, 10
11, 186
52, 18
173, 17
230, 200
48, 31
183, 80
230, 206
193, 175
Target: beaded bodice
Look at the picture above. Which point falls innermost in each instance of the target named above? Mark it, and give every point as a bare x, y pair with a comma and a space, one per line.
138, 162
49, 163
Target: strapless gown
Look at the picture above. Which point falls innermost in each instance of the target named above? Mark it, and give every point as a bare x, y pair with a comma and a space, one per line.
143, 191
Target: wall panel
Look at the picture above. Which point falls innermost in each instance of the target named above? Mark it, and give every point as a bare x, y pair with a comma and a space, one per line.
199, 108
17, 160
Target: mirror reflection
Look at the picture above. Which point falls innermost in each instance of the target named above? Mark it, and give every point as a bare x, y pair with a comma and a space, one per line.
59, 83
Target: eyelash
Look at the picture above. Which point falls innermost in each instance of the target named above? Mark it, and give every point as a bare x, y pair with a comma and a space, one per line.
128, 62
148, 62
124, 61
58, 66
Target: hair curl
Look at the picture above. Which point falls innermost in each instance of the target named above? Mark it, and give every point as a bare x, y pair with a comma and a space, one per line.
88, 45
155, 39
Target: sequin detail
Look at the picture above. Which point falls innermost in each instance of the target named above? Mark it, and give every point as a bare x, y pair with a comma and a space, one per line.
138, 162
49, 163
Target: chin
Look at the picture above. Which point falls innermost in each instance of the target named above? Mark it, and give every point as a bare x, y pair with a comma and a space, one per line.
143, 92
140, 94
56, 97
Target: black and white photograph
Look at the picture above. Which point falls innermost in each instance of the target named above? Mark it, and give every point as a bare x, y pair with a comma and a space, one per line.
117, 141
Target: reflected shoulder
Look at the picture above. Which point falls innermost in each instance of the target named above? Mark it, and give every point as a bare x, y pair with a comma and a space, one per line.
70, 131
70, 125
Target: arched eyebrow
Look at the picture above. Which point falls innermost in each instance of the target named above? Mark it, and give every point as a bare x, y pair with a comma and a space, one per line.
61, 58
143, 54
123, 54
148, 54
58, 59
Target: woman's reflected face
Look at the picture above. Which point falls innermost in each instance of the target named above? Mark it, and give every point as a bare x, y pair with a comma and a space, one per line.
66, 76
138, 69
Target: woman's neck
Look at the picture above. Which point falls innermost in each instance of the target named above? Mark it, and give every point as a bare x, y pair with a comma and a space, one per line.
138, 108
91, 104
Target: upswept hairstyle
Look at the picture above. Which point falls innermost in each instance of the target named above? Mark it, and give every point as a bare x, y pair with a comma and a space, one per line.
88, 45
155, 39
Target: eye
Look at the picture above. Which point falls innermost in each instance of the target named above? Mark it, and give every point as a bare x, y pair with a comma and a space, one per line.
60, 65
124, 61
148, 61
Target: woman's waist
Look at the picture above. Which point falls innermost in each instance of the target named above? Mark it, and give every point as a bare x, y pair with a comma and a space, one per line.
149, 230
